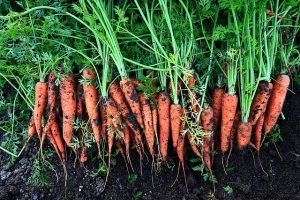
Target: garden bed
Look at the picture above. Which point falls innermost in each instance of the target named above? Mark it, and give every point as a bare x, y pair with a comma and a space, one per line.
245, 177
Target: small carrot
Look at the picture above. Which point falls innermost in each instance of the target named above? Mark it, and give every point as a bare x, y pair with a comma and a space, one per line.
163, 106
229, 106
57, 137
233, 130
243, 134
175, 115
276, 101
52, 92
193, 145
260, 101
131, 96
179, 85
114, 115
154, 111
217, 105
31, 127
91, 103
83, 156
52, 141
39, 105
79, 101
103, 118
192, 93
258, 132
68, 105
148, 122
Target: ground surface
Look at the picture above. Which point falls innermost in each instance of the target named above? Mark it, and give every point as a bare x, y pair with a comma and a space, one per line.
246, 178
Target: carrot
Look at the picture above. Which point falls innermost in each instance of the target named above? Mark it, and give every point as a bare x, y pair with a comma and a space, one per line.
193, 145
127, 139
179, 85
163, 106
132, 98
243, 134
91, 103
258, 132
52, 141
260, 101
233, 130
114, 115
79, 102
192, 94
148, 122
229, 106
154, 111
83, 156
136, 82
207, 119
68, 105
57, 136
31, 127
217, 105
103, 118
180, 148
39, 105
276, 101
175, 114
117, 95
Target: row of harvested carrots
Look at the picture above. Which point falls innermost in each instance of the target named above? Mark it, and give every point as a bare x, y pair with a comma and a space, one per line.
128, 117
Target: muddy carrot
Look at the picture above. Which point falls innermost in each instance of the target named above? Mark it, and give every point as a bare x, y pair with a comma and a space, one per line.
175, 115
243, 134
41, 95
31, 127
217, 104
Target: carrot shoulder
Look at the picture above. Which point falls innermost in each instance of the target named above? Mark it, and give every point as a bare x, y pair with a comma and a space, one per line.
68, 106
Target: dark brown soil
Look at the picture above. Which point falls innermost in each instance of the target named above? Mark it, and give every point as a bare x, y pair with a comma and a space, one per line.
246, 178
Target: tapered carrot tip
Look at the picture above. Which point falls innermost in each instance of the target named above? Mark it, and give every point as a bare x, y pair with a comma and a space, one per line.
175, 114
244, 134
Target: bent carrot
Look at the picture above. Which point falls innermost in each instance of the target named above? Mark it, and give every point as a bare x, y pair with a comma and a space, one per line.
276, 101
68, 105
175, 115
163, 106
260, 101
131, 96
39, 105
229, 106
91, 103
244, 134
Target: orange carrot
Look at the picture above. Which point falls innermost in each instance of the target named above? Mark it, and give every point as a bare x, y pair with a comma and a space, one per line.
57, 136
39, 105
243, 134
116, 93
91, 103
207, 119
154, 111
148, 122
229, 106
193, 145
114, 116
163, 106
52, 141
83, 156
31, 127
127, 139
79, 102
260, 101
276, 101
258, 132
52, 92
192, 94
233, 130
103, 118
68, 105
175, 114
217, 105
132, 98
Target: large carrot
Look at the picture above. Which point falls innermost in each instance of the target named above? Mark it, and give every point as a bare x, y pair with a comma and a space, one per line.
131, 96
243, 134
31, 127
116, 93
68, 106
260, 101
229, 106
39, 105
276, 101
114, 115
163, 106
258, 132
217, 105
148, 122
175, 115
91, 103
207, 119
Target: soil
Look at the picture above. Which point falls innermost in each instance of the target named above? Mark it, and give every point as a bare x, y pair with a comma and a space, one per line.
281, 179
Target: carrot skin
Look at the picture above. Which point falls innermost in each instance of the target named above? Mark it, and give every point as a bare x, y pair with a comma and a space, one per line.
193, 145
114, 116
260, 101
154, 111
127, 139
175, 114
148, 122
52, 92
276, 101
217, 105
31, 127
229, 106
39, 105
91, 103
233, 130
68, 105
57, 136
258, 132
192, 93
79, 102
103, 115
244, 134
131, 96
83, 155
163, 106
